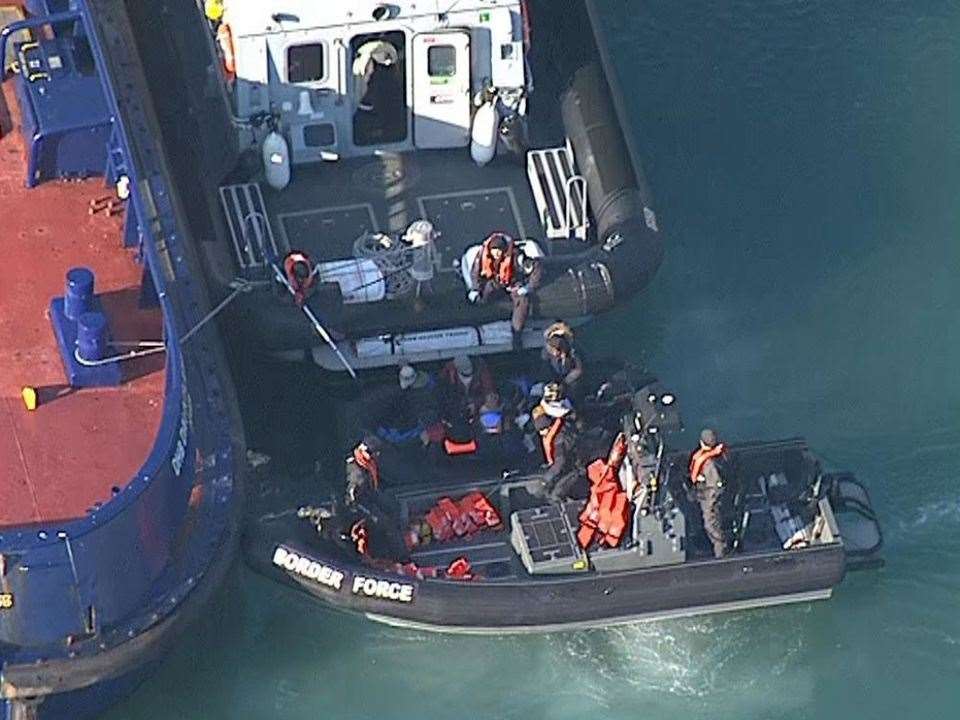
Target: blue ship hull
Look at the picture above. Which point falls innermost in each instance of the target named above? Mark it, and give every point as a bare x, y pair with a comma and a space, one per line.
97, 601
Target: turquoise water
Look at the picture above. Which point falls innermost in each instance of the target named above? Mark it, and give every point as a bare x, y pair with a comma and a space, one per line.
806, 160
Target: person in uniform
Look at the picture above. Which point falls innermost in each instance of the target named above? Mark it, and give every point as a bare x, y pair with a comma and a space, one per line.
563, 363
706, 474
501, 266
368, 518
554, 421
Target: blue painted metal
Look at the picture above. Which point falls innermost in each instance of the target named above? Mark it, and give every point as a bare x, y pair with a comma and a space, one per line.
66, 124
82, 333
150, 557
79, 293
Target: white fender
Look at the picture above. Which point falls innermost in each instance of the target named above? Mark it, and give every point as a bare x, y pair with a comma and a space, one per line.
276, 160
486, 122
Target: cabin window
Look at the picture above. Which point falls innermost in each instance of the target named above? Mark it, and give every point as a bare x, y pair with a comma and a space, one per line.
442, 61
305, 63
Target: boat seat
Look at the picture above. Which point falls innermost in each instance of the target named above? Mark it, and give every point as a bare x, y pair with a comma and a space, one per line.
528, 247
559, 191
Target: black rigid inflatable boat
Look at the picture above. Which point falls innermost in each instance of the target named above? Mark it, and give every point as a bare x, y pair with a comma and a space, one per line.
796, 530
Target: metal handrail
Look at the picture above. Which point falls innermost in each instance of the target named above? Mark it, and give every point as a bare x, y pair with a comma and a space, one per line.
35, 22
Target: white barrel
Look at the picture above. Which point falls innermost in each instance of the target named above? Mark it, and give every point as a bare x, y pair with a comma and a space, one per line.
276, 160
484, 134
360, 280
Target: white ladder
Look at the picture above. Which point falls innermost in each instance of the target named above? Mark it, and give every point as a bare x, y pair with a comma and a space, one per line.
559, 191
249, 224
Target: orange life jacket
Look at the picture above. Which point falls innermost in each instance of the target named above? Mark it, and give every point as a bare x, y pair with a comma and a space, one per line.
502, 271
460, 569
363, 458
548, 437
225, 41
607, 513
454, 447
301, 287
359, 535
700, 458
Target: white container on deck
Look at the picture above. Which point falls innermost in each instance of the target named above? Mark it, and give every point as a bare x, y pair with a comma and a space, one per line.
360, 280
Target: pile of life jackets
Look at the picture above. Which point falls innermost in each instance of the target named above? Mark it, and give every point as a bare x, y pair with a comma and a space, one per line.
607, 512
459, 569
449, 519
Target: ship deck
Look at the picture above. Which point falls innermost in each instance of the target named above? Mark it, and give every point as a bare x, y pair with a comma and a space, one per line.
78, 445
328, 206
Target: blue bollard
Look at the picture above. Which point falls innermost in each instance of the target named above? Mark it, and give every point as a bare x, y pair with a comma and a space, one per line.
92, 336
79, 292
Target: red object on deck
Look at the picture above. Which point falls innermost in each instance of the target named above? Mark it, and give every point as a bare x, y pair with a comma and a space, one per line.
62, 458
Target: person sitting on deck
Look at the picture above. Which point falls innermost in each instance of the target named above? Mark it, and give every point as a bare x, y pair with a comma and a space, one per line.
502, 267
410, 409
464, 385
554, 421
301, 275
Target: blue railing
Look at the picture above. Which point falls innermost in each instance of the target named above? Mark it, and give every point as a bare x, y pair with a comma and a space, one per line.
112, 573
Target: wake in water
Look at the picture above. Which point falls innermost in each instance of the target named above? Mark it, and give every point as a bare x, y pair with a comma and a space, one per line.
692, 658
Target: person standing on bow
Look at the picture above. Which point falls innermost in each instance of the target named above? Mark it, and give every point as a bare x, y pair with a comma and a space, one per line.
707, 467
500, 267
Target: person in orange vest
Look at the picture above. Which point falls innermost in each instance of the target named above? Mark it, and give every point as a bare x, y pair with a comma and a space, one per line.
706, 474
501, 266
301, 274
554, 421
362, 474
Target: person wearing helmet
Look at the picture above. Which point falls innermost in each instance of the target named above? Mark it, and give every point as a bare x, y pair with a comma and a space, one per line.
707, 466
554, 421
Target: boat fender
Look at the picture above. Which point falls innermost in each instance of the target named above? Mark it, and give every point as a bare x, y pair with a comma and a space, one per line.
276, 160
486, 123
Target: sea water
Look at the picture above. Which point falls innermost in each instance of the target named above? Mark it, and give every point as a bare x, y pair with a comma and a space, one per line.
805, 155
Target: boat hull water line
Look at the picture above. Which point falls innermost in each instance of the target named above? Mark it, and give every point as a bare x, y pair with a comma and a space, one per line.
385, 143
94, 589
527, 568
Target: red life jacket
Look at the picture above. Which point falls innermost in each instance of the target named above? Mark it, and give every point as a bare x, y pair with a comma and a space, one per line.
360, 536
363, 458
454, 447
502, 271
460, 569
700, 458
301, 287
607, 513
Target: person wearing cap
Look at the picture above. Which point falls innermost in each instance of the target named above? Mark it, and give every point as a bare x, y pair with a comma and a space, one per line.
409, 409
502, 267
553, 419
465, 383
706, 473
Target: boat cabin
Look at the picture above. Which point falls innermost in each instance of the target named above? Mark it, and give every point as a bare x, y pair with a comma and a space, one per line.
386, 141
352, 79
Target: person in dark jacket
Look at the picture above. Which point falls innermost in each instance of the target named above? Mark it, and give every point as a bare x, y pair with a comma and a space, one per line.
707, 466
465, 383
563, 363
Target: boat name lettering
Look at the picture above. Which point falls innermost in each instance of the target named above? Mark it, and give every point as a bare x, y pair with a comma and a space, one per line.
6, 601
371, 587
307, 568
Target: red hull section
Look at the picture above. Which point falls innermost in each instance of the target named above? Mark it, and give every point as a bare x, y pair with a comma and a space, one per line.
68, 454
